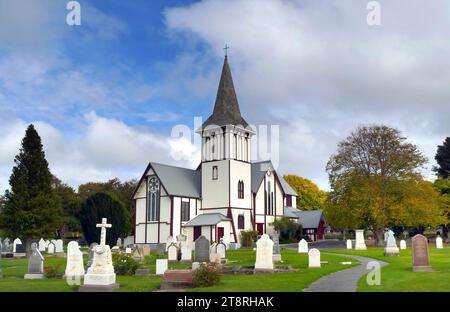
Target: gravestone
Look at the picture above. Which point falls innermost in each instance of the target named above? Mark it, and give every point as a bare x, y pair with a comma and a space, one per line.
75, 266
91, 255
51, 248
168, 242
360, 244
276, 255
59, 246
35, 264
402, 244
264, 253
201, 249
16, 242
138, 253
221, 250
47, 242
119, 242
439, 243
314, 258
391, 248
128, 250
161, 266
186, 253
172, 252
420, 259
100, 275
20, 251
213, 248
7, 245
349, 244
41, 245
302, 246
182, 240
129, 240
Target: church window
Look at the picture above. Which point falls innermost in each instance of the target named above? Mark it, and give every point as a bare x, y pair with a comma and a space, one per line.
215, 173
153, 199
185, 208
289, 200
240, 189
269, 199
235, 147
241, 222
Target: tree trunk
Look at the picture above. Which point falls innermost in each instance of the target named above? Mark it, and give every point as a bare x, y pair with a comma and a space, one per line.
28, 242
379, 237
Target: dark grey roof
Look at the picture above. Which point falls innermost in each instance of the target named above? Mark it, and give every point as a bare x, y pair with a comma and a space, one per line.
288, 190
226, 109
309, 219
207, 219
259, 169
179, 181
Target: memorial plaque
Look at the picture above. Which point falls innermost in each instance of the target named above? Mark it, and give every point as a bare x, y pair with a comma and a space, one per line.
420, 259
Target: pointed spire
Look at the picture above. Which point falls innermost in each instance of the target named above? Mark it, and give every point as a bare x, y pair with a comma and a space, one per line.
226, 109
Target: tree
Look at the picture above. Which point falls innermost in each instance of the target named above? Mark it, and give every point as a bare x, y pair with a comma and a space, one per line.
443, 159
70, 205
31, 208
376, 182
289, 230
310, 197
104, 205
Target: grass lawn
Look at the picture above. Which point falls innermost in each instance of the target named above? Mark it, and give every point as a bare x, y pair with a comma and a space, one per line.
14, 269
397, 276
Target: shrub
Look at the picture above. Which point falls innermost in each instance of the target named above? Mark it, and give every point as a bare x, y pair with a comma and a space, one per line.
124, 264
290, 231
248, 237
206, 275
53, 271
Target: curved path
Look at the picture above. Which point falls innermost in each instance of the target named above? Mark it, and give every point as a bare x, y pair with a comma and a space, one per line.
345, 280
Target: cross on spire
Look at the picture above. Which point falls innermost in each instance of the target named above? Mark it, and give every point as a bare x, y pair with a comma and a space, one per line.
226, 50
104, 226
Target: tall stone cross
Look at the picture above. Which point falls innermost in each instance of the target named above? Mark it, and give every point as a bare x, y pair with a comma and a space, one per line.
103, 225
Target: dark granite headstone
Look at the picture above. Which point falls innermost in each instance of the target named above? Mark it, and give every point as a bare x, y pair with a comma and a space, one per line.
201, 249
21, 248
420, 259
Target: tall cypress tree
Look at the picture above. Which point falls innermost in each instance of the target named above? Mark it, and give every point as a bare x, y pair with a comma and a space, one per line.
31, 208
443, 159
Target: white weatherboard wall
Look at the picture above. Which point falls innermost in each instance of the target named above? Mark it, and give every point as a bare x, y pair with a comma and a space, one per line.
240, 171
215, 192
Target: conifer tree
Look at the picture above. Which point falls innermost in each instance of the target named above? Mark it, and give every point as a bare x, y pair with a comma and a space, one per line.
443, 159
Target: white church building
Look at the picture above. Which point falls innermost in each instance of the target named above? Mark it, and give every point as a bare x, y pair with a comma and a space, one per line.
225, 195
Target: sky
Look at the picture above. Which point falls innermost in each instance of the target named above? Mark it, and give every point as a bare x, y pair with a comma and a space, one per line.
106, 95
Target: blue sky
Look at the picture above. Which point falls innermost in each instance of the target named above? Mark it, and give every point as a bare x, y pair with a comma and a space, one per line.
105, 95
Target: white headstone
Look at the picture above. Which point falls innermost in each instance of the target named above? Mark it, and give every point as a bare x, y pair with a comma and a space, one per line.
360, 244
169, 241
161, 266
349, 244
314, 258
41, 246
47, 242
172, 253
59, 246
75, 266
264, 251
402, 244
439, 243
16, 242
128, 250
391, 248
51, 248
302, 246
221, 250
186, 253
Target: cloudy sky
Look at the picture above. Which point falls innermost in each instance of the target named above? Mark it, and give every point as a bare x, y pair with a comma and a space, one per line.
106, 95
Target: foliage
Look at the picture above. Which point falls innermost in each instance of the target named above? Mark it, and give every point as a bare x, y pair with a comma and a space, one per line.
124, 264
248, 237
376, 183
310, 197
53, 271
288, 229
443, 160
104, 205
31, 207
206, 275
70, 205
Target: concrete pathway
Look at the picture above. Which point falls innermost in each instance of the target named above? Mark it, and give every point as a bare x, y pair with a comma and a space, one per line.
345, 280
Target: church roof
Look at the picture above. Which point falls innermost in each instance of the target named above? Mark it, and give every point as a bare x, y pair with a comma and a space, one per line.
309, 219
259, 169
207, 219
226, 109
179, 181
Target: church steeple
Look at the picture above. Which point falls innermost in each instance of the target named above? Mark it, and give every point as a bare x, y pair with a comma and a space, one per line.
226, 109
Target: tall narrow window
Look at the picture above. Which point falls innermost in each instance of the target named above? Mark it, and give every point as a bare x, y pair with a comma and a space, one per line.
269, 199
185, 209
235, 146
240, 189
215, 173
288, 200
241, 222
153, 199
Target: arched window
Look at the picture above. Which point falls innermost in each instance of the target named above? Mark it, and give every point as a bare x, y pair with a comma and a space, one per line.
153, 199
241, 222
240, 189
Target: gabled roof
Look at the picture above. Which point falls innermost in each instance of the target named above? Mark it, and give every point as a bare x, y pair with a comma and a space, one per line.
226, 109
176, 181
207, 219
259, 169
309, 219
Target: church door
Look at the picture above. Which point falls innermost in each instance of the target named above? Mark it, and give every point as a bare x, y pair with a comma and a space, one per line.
260, 228
197, 232
220, 233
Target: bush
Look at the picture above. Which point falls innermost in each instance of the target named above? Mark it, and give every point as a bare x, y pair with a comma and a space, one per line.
124, 264
248, 237
206, 275
53, 271
290, 231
